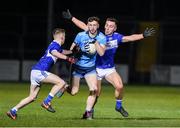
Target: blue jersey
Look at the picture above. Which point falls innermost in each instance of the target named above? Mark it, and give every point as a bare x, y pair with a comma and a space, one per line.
82, 38
48, 60
107, 60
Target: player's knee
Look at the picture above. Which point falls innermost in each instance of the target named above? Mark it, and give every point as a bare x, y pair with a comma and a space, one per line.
32, 98
61, 84
98, 93
119, 88
92, 92
74, 92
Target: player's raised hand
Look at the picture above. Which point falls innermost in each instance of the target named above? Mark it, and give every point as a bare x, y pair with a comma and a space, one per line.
71, 60
67, 14
149, 32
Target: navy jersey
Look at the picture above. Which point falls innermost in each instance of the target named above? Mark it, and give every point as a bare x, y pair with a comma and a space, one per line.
107, 60
48, 60
82, 38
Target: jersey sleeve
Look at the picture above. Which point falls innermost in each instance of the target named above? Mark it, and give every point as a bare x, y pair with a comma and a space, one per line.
120, 37
77, 39
55, 47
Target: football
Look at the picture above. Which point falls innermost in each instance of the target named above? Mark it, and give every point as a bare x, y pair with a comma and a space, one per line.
92, 49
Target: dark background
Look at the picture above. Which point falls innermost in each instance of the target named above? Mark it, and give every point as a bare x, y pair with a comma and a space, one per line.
25, 25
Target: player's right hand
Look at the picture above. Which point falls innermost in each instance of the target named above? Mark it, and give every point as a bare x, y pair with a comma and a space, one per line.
72, 60
67, 15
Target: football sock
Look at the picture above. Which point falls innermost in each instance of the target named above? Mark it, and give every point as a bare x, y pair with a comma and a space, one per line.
118, 103
59, 93
48, 98
14, 111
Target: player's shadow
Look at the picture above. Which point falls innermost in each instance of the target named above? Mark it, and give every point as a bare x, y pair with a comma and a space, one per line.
129, 118
139, 118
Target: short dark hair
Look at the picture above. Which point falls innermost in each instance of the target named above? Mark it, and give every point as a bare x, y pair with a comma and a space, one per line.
57, 31
93, 18
113, 20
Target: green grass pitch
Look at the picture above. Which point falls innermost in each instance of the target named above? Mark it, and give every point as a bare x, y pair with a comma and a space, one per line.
148, 105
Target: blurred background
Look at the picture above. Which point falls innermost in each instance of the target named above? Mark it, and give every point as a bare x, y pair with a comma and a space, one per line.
25, 32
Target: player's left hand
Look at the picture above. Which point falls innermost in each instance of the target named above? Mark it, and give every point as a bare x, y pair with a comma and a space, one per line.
149, 32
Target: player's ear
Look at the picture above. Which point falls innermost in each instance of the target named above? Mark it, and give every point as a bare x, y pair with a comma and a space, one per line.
98, 26
115, 28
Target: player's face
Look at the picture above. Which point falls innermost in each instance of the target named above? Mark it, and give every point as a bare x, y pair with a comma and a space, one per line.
110, 27
93, 26
61, 37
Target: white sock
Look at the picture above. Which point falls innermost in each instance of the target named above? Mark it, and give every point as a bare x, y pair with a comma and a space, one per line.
14, 109
51, 94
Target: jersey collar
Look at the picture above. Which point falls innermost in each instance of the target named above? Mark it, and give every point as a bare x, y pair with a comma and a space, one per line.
87, 32
57, 42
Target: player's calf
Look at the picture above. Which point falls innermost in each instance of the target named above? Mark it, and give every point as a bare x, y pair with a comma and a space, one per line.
61, 92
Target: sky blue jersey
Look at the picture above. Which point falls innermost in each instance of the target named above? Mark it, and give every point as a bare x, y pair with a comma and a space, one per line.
86, 59
107, 60
48, 60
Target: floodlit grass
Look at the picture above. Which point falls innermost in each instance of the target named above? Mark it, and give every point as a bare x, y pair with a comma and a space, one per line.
149, 105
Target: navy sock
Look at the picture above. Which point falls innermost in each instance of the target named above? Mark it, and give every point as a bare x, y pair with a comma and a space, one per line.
48, 99
13, 112
118, 104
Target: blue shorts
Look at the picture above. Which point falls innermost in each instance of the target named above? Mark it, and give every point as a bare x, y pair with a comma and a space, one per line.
82, 71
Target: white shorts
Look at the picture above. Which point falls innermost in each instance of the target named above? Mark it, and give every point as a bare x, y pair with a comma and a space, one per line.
37, 76
101, 73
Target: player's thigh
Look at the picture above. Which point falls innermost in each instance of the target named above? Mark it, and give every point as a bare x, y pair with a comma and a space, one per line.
75, 83
53, 79
115, 79
91, 80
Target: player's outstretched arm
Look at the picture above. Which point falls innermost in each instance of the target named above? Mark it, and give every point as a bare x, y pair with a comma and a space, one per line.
62, 56
77, 22
147, 33
72, 46
67, 52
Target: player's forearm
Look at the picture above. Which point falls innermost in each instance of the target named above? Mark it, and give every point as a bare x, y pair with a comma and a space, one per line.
72, 46
79, 24
59, 55
133, 37
66, 52
100, 49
